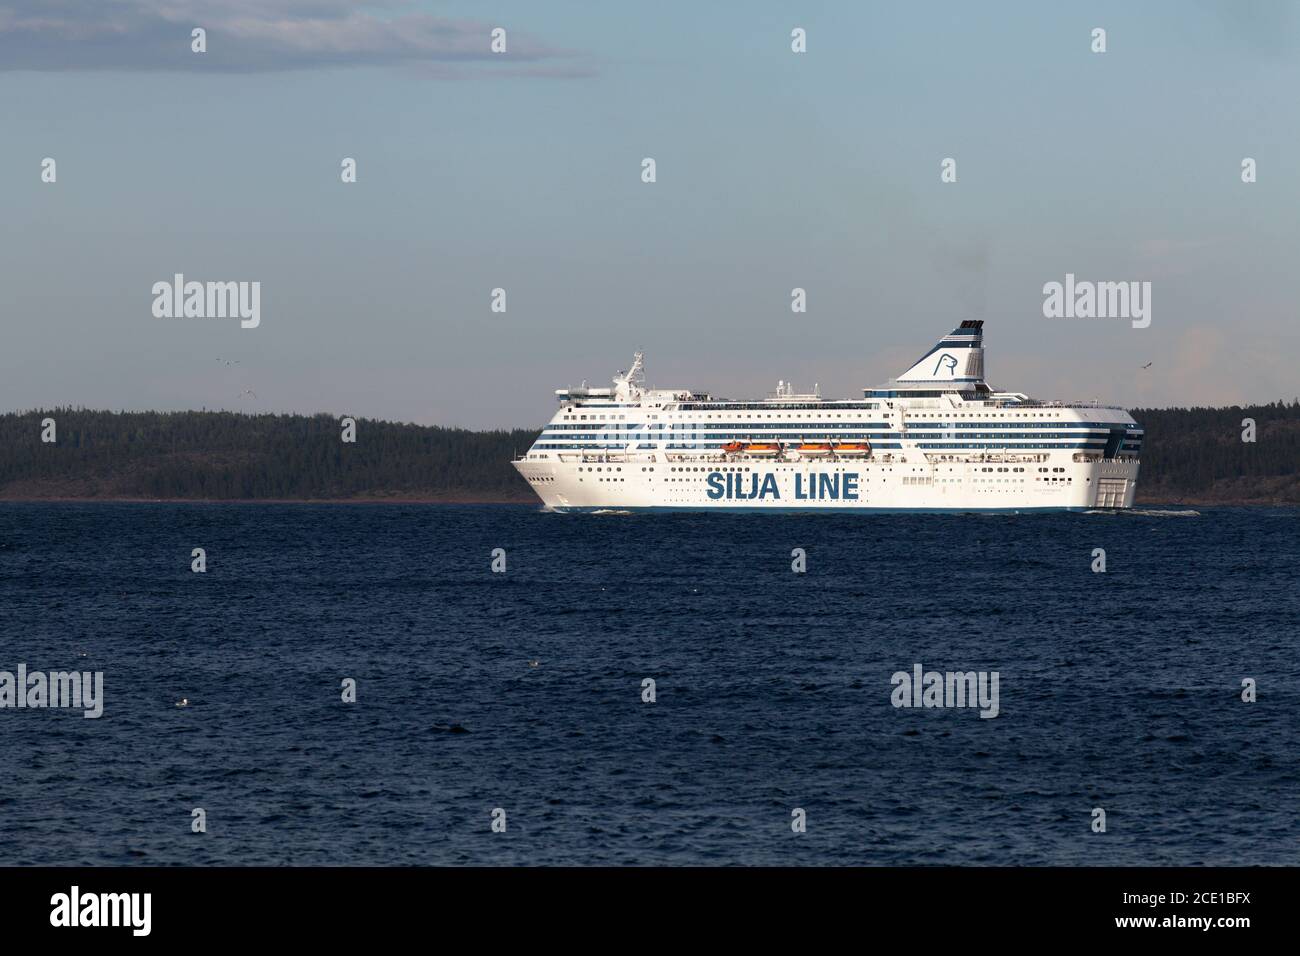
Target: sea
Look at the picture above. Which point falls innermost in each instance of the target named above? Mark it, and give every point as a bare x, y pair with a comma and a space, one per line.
500, 685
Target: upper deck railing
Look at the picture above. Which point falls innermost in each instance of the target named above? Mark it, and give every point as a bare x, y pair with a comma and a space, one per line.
1036, 403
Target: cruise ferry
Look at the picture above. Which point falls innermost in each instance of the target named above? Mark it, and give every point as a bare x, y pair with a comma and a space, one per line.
937, 438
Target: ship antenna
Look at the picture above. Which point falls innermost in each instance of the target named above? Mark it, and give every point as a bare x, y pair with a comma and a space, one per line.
627, 385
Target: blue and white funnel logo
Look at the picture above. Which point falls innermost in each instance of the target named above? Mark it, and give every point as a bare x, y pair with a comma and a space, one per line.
948, 361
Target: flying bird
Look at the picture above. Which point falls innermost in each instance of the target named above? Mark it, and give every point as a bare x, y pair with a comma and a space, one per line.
1148, 365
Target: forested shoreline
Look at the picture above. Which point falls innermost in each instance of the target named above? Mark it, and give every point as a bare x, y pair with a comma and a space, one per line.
1192, 455
209, 455
1198, 455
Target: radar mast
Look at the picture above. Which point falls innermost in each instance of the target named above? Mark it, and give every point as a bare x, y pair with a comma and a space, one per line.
629, 385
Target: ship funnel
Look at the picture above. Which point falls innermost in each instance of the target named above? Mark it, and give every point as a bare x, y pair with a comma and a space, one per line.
959, 358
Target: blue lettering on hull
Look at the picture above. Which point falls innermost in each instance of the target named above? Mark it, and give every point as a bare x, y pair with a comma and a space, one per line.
735, 486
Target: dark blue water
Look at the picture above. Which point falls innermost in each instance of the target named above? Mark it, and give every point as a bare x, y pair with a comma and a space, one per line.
1118, 690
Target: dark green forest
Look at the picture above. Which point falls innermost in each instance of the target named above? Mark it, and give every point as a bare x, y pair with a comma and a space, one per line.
227, 455
1191, 455
1197, 454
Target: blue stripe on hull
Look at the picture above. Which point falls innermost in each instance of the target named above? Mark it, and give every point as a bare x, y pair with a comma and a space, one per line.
824, 510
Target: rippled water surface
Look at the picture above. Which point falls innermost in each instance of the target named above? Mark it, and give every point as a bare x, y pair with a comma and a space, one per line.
1119, 690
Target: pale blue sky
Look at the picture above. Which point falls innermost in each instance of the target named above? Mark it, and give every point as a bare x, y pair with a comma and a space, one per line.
775, 170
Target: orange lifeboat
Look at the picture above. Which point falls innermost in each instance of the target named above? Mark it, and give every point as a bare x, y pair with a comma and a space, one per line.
853, 449
733, 447
815, 449
764, 449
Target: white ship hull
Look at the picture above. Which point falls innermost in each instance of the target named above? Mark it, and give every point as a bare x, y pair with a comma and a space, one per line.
819, 485
937, 438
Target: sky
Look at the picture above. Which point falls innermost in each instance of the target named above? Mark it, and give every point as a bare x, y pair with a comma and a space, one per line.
523, 171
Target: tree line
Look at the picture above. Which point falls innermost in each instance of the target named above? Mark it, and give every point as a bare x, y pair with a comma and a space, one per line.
229, 455
1191, 452
1188, 452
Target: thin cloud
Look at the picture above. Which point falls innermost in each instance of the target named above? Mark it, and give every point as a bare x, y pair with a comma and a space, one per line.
270, 35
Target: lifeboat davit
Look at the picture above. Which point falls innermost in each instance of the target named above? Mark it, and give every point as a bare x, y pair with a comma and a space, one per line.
853, 449
764, 449
733, 447
814, 449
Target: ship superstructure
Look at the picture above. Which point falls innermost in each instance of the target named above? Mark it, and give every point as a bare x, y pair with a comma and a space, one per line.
937, 438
